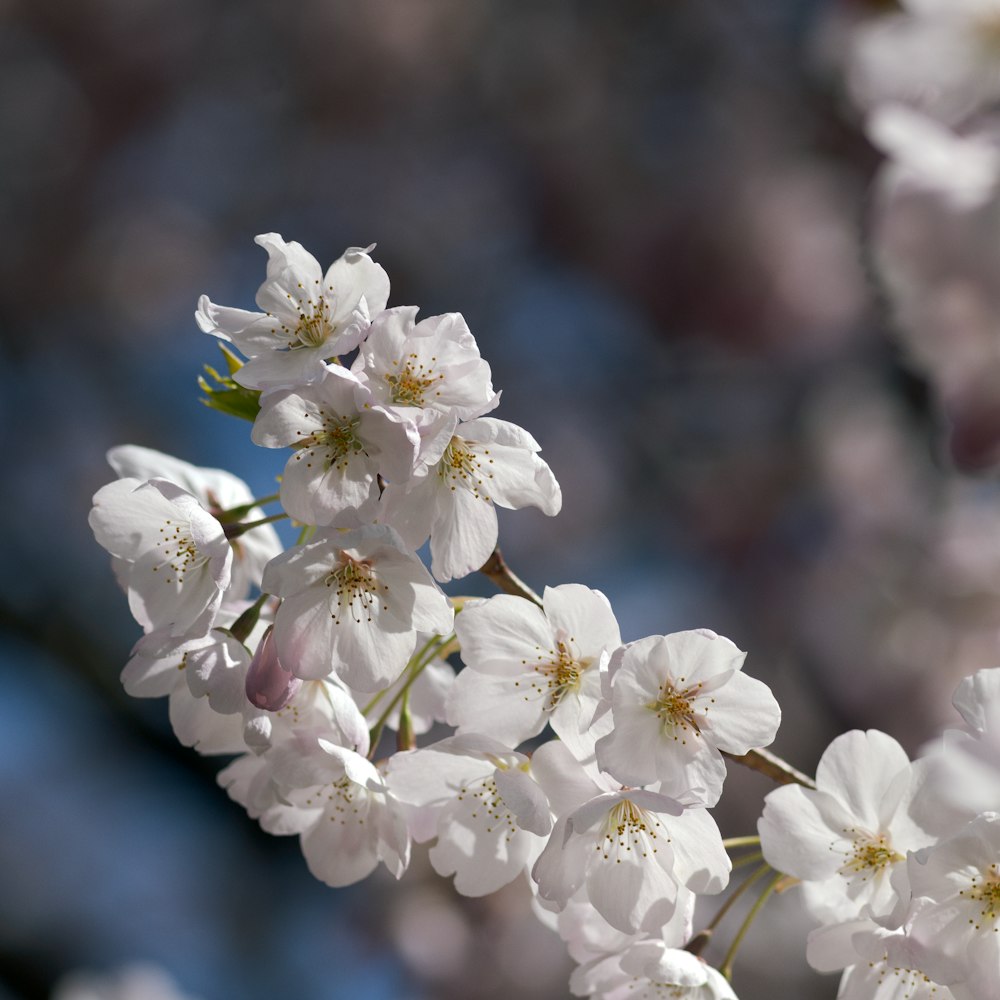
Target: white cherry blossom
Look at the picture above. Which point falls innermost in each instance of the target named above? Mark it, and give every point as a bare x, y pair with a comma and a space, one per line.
956, 924
308, 317
677, 701
136, 981
852, 832
491, 817
160, 665
340, 447
927, 156
486, 462
964, 766
942, 56
630, 849
335, 799
527, 666
428, 373
650, 970
353, 604
878, 964
173, 556
321, 706
598, 948
217, 490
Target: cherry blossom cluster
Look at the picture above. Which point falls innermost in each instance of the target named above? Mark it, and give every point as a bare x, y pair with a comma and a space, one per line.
900, 860
558, 753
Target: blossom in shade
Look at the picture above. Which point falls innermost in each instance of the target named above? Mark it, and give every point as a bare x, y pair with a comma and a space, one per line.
878, 963
631, 850
353, 604
308, 316
173, 557
964, 767
489, 815
186, 670
217, 490
333, 798
650, 970
677, 701
527, 666
956, 923
599, 949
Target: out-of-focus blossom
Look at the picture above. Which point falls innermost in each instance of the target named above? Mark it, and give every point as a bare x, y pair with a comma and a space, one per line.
926, 155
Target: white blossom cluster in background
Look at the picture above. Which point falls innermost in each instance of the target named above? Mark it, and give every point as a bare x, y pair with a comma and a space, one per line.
139, 981
927, 78
583, 763
899, 860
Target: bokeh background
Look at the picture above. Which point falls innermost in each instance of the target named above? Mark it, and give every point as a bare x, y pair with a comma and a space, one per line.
652, 215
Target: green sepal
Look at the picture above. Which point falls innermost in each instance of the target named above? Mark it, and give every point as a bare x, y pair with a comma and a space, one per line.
227, 396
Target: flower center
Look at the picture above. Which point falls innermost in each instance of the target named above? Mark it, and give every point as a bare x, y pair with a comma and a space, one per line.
463, 467
676, 711
485, 805
629, 828
356, 589
179, 553
555, 676
341, 801
869, 855
412, 381
338, 437
985, 891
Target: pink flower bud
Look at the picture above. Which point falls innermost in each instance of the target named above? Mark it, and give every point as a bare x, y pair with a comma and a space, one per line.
269, 685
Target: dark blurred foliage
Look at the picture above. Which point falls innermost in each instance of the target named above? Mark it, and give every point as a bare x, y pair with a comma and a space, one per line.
652, 215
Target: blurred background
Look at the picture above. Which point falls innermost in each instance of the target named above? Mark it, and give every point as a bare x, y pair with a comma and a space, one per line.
652, 216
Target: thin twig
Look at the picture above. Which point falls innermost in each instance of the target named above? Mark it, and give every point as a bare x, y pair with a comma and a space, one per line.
772, 766
500, 573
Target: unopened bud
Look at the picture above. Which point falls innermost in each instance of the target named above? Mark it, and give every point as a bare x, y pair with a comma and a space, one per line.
269, 685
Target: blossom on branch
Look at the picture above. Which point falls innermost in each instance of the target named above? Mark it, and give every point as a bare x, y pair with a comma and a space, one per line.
353, 604
308, 317
678, 701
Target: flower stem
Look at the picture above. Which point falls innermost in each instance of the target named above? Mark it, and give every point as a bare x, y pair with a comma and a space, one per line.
740, 842
235, 530
698, 942
233, 514
243, 626
726, 968
406, 739
418, 661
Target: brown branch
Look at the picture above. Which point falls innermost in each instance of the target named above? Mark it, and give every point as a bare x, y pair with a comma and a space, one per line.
773, 767
500, 573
